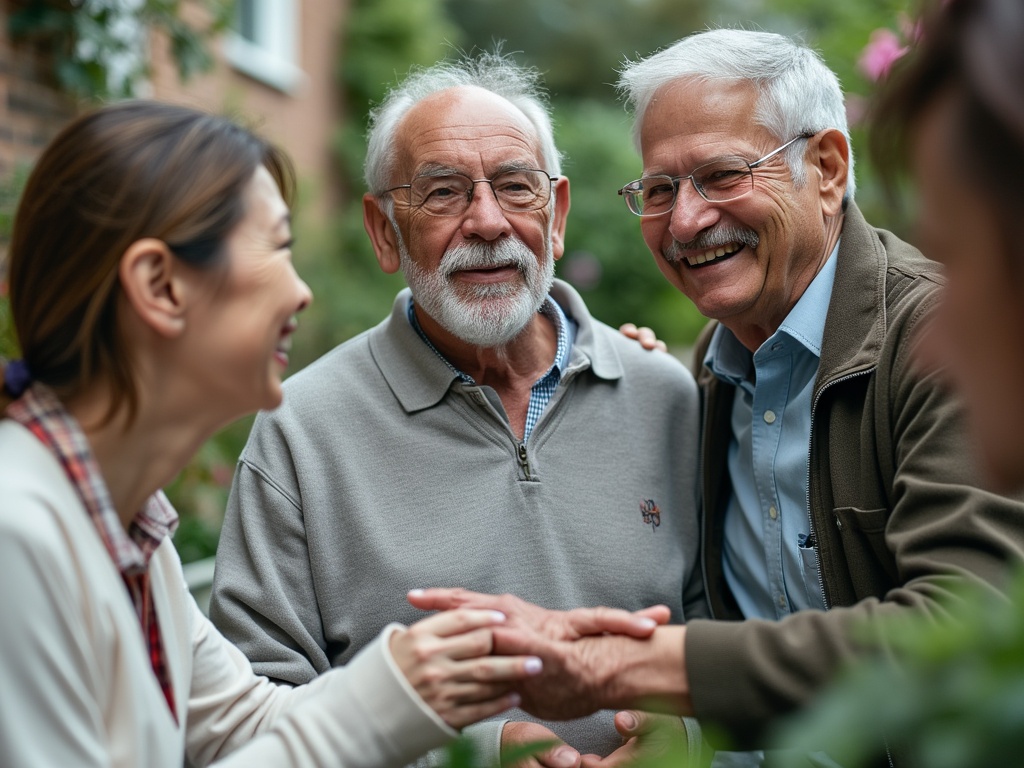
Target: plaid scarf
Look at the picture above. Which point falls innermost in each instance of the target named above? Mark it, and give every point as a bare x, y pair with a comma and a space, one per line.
39, 411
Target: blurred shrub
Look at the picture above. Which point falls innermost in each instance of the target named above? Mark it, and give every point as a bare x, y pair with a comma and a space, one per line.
951, 695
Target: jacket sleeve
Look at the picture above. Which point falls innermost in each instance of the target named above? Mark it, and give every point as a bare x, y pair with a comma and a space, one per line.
263, 596
934, 529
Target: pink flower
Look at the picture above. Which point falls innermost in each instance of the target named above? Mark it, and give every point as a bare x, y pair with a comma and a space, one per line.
879, 54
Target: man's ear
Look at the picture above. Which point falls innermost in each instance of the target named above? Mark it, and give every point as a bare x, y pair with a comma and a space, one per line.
833, 164
559, 216
149, 279
382, 235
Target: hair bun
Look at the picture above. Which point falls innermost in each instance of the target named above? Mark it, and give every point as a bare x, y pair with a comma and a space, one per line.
17, 378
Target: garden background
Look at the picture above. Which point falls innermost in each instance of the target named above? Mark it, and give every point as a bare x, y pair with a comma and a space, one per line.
577, 45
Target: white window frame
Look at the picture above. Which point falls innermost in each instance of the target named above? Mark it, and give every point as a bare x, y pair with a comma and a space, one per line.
271, 57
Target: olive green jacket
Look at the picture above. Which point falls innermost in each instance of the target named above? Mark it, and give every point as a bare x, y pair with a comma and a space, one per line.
894, 500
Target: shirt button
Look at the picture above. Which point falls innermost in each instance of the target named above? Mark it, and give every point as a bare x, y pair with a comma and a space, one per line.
769, 417
773, 513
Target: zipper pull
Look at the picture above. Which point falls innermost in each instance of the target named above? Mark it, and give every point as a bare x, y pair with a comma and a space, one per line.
524, 459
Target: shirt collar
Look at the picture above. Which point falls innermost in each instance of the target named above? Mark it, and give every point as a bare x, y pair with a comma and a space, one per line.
41, 412
729, 360
419, 379
805, 323
549, 309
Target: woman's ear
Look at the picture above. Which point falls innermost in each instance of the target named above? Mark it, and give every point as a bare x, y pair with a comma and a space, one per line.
154, 288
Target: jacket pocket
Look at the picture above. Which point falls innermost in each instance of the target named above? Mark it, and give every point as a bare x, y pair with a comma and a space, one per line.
869, 562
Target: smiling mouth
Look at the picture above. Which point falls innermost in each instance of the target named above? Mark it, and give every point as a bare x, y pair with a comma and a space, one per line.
714, 255
284, 342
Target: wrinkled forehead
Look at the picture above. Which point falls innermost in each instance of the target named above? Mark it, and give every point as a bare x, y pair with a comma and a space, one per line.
467, 129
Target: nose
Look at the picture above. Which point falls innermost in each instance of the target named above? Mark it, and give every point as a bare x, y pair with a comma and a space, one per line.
690, 213
304, 294
484, 218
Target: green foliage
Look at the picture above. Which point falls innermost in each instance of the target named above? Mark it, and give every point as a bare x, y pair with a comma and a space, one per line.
96, 45
200, 491
950, 696
578, 44
10, 191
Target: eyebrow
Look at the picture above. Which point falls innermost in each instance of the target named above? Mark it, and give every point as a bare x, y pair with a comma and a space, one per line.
436, 169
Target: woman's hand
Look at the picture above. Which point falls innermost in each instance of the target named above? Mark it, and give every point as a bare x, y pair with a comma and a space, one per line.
446, 659
555, 625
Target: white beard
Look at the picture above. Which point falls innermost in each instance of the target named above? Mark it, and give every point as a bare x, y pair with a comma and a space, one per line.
490, 315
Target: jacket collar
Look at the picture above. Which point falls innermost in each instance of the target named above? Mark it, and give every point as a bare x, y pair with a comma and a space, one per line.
856, 321
420, 379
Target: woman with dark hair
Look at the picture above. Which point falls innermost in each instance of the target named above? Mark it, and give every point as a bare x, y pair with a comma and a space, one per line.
154, 299
956, 108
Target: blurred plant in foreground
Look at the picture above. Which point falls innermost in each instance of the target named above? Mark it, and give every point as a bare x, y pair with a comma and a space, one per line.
951, 696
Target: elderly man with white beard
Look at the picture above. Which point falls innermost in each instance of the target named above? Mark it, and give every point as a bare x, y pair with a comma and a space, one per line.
489, 433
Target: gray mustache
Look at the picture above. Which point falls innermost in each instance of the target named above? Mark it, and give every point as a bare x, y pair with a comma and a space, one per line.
485, 256
714, 238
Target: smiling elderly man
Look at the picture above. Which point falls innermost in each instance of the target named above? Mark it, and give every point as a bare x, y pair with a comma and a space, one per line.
489, 433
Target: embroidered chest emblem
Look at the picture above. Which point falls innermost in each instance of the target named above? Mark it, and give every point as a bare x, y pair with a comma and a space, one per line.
651, 514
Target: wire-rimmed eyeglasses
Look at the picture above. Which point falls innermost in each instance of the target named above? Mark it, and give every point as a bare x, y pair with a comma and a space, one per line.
450, 194
719, 181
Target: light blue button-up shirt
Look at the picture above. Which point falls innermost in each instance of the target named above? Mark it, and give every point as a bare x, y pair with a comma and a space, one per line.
769, 565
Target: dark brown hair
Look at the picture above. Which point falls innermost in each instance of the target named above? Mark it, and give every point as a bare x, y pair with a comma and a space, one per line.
121, 173
974, 50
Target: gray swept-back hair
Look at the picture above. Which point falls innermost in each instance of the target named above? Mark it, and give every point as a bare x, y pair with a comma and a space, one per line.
798, 93
494, 72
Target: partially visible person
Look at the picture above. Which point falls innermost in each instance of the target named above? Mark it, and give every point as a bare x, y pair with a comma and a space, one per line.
489, 432
957, 105
154, 300
838, 483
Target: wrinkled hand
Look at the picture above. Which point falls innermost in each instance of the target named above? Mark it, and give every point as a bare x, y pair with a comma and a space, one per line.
518, 734
648, 737
596, 672
644, 335
554, 625
446, 658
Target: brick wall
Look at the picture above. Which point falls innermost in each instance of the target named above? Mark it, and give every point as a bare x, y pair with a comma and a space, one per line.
32, 110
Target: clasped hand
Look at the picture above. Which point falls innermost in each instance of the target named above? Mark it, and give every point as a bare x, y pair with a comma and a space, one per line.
578, 647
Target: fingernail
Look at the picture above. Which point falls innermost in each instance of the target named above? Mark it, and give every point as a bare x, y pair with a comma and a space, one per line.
533, 665
416, 592
628, 720
498, 616
566, 756
646, 623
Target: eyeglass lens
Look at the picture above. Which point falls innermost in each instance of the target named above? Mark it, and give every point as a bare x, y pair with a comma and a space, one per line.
716, 182
450, 195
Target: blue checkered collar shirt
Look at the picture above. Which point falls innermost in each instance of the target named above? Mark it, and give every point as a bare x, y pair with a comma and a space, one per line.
544, 388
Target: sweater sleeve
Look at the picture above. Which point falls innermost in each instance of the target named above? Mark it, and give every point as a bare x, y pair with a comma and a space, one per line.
263, 598
365, 714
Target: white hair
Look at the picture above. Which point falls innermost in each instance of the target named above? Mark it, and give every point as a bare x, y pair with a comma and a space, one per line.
493, 72
797, 92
